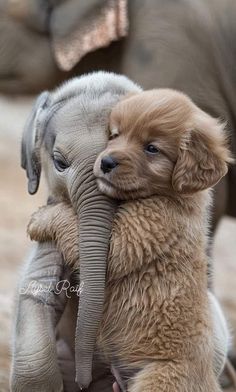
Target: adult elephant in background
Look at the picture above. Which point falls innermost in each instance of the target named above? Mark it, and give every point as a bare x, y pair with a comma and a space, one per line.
182, 44
66, 131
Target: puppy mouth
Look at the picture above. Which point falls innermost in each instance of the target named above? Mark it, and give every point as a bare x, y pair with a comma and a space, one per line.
104, 181
118, 188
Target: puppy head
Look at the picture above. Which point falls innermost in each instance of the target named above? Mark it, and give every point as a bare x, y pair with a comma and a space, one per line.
161, 143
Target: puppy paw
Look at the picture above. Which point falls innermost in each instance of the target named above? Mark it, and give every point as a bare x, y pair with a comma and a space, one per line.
38, 228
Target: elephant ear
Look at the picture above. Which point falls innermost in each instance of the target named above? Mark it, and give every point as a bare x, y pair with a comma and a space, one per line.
80, 27
31, 141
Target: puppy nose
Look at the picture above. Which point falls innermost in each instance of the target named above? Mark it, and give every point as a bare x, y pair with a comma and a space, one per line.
108, 164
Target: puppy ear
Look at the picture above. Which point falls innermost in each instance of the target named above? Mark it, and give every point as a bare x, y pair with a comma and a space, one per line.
30, 160
203, 156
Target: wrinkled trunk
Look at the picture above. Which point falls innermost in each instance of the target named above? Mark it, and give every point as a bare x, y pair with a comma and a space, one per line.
95, 213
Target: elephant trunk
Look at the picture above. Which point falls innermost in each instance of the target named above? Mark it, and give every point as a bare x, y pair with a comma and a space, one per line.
95, 213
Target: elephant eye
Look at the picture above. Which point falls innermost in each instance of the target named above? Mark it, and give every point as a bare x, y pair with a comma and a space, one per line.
60, 162
114, 133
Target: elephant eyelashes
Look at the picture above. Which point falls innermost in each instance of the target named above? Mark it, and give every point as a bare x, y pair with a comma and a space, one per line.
60, 163
113, 134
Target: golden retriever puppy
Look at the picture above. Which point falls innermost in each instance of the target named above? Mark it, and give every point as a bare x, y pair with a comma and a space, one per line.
163, 156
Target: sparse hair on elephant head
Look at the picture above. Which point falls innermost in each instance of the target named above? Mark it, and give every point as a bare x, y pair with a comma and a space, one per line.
161, 143
66, 131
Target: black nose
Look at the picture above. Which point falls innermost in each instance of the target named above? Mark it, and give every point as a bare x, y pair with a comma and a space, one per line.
108, 164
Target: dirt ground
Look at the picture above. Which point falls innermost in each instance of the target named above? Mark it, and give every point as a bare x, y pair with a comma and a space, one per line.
16, 207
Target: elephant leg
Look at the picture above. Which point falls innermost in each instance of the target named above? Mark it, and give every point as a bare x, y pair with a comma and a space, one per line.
102, 384
66, 360
39, 307
102, 377
66, 344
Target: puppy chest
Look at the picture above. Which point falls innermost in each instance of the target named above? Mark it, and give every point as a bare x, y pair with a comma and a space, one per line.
143, 235
146, 317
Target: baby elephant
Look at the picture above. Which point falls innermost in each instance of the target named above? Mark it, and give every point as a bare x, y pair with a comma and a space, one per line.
161, 329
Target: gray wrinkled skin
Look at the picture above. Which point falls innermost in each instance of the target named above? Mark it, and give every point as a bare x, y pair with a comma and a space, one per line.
70, 124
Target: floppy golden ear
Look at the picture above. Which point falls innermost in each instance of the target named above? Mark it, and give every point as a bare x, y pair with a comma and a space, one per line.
203, 156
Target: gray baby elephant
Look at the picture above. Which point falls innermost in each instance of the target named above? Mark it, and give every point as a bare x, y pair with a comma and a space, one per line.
64, 134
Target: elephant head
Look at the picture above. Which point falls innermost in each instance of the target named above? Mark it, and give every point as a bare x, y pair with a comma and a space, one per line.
63, 136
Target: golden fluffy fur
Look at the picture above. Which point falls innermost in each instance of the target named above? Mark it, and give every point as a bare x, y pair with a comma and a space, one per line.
156, 323
192, 153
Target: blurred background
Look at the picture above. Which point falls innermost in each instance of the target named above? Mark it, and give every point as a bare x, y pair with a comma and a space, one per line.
189, 45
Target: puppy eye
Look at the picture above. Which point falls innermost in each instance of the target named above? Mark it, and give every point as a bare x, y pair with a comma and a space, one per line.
60, 163
151, 149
